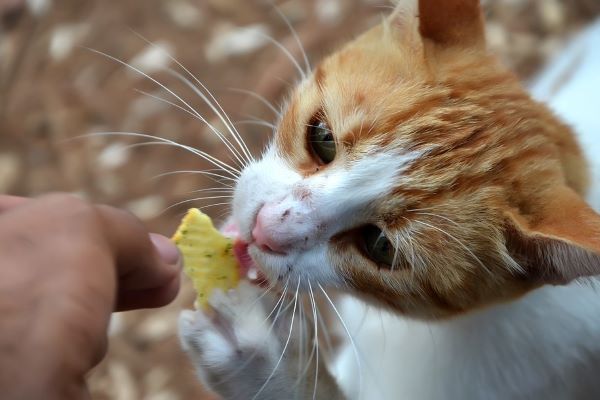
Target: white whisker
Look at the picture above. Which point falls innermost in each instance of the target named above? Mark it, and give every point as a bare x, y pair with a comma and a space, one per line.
144, 144
286, 52
213, 160
200, 118
214, 104
208, 173
301, 346
212, 190
324, 329
145, 75
457, 241
260, 98
198, 199
354, 348
257, 123
223, 117
287, 342
285, 288
199, 208
278, 306
316, 337
296, 37
435, 215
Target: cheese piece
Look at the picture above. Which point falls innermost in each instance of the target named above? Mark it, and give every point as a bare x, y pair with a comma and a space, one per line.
208, 258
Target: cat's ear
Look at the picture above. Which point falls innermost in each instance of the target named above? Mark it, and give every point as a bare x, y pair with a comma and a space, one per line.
559, 240
444, 22
452, 22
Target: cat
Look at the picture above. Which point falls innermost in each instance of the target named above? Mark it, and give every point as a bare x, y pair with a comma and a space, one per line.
415, 173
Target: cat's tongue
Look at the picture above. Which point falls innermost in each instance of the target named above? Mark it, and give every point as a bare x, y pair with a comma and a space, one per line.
248, 268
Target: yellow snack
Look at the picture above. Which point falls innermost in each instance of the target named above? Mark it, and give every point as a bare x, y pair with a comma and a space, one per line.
208, 257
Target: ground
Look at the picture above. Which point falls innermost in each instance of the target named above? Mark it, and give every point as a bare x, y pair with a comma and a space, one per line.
55, 86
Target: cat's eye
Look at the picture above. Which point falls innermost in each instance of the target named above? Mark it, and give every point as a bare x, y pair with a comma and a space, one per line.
378, 247
321, 141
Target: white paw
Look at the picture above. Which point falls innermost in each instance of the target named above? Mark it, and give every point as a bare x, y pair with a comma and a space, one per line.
233, 345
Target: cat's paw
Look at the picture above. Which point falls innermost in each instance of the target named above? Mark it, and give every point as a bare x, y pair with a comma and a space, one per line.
233, 345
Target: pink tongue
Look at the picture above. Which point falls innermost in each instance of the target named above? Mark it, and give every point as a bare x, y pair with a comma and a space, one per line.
240, 249
248, 268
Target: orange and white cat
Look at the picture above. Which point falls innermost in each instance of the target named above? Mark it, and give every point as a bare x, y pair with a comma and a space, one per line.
415, 173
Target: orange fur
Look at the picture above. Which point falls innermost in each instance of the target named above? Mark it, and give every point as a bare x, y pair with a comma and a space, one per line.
497, 189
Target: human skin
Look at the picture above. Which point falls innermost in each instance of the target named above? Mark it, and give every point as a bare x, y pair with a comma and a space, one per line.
65, 266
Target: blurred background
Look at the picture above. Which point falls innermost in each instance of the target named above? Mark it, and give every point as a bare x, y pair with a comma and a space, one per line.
53, 89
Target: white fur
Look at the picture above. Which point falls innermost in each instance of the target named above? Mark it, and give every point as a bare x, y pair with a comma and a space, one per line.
545, 346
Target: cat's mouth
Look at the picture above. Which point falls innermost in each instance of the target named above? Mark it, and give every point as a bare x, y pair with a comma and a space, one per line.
248, 268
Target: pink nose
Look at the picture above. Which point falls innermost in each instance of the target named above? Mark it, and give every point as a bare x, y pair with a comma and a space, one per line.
263, 236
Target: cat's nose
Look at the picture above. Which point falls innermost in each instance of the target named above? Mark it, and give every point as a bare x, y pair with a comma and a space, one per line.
263, 233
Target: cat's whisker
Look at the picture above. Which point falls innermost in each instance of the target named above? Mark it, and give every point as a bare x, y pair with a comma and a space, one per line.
460, 243
284, 292
286, 52
403, 240
267, 291
228, 196
435, 215
262, 99
296, 38
301, 346
144, 144
198, 199
287, 342
212, 103
422, 209
386, 7
321, 127
306, 357
200, 208
278, 306
416, 258
155, 81
256, 122
396, 245
352, 342
200, 118
213, 160
200, 172
212, 190
316, 337
306, 367
218, 110
324, 330
145, 75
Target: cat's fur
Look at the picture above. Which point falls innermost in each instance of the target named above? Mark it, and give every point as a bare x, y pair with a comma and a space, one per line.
478, 186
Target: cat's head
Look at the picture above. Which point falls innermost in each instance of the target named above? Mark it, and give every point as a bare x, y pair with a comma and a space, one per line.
412, 169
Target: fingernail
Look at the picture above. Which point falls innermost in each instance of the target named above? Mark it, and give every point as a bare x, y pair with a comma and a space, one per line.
167, 250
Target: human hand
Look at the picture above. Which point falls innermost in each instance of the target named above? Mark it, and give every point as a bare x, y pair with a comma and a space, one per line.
65, 266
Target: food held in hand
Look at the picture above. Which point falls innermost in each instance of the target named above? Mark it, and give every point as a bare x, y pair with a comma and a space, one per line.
208, 257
